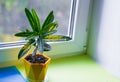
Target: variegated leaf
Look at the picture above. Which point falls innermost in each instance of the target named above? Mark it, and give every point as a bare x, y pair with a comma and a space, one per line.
25, 48
49, 27
47, 47
48, 19
49, 33
53, 38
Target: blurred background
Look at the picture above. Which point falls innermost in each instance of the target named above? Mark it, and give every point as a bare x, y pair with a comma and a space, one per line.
99, 19
13, 19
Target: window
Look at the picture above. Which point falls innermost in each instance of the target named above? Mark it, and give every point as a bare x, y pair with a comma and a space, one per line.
14, 10
78, 19
13, 19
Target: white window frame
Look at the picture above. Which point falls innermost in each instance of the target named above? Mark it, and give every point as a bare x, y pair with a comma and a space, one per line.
59, 49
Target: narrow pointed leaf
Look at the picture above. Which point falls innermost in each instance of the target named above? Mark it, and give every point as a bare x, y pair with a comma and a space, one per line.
53, 38
25, 48
47, 47
23, 53
49, 33
23, 34
51, 26
36, 20
30, 18
48, 19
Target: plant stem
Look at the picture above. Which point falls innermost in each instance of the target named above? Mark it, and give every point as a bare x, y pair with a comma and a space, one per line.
34, 52
40, 44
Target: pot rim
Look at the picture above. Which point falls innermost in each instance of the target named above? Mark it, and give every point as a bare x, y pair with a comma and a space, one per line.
44, 64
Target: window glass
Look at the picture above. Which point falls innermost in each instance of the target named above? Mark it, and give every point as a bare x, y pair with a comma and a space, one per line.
13, 19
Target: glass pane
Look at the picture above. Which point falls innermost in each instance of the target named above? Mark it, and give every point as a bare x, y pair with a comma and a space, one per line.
13, 19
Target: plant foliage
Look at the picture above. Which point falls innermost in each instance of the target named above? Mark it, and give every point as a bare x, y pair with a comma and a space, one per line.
40, 34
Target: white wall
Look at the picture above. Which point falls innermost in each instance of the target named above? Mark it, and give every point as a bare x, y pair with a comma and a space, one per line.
104, 41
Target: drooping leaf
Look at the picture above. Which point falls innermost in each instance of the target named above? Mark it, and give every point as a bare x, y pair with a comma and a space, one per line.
47, 47
25, 48
49, 27
30, 18
53, 38
24, 52
48, 19
23, 34
36, 20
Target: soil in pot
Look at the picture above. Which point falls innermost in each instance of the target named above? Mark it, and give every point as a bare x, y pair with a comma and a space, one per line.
36, 59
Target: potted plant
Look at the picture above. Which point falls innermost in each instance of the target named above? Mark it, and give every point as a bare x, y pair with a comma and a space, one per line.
36, 63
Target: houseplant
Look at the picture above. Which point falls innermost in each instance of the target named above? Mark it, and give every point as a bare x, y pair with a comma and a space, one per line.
36, 63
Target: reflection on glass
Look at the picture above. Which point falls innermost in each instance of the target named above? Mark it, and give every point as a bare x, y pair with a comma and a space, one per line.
13, 19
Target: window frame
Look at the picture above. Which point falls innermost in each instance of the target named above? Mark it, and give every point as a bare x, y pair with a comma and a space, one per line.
6, 45
59, 49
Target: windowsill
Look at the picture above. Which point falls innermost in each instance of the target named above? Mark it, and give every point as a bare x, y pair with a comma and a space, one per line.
79, 68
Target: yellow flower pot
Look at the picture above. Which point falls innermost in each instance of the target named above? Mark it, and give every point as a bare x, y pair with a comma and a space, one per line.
36, 72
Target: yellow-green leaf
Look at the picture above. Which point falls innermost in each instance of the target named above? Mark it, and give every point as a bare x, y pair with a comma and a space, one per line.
49, 27
49, 33
25, 48
53, 38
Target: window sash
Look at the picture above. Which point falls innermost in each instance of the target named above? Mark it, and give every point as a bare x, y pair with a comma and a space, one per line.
5, 45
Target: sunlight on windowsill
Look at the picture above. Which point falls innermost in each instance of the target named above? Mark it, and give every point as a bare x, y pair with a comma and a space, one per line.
79, 68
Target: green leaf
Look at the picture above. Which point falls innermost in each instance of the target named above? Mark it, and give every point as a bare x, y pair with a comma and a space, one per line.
30, 18
23, 34
25, 48
32, 36
48, 19
49, 27
36, 20
27, 30
53, 38
49, 33
47, 47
